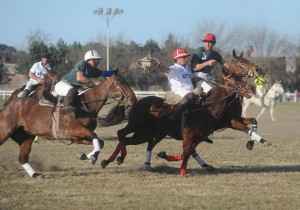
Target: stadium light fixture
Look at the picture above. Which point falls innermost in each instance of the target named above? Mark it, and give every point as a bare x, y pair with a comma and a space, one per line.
108, 15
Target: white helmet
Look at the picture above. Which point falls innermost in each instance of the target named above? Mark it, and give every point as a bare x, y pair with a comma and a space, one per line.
92, 54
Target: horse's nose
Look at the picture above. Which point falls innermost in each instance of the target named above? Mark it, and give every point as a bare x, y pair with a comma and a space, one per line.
132, 100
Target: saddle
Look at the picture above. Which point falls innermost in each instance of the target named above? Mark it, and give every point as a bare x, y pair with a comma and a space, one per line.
168, 105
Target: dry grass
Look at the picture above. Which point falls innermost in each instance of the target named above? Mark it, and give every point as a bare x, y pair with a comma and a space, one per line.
265, 178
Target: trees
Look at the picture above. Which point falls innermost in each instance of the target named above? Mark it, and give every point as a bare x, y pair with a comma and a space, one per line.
269, 50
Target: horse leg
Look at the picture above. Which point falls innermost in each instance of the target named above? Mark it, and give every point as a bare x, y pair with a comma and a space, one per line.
244, 108
202, 163
122, 133
178, 157
169, 158
84, 133
94, 154
151, 144
142, 135
188, 147
24, 141
272, 112
261, 112
242, 125
253, 122
256, 137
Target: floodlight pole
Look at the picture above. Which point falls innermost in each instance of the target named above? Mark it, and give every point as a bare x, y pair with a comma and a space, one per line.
108, 16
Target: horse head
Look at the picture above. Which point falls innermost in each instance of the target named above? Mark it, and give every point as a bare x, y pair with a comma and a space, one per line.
235, 83
278, 89
114, 87
242, 66
51, 77
120, 89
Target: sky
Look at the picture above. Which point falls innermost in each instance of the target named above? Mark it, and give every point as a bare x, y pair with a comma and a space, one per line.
141, 20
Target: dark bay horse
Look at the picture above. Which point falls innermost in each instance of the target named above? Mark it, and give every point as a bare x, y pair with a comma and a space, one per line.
50, 80
22, 119
146, 128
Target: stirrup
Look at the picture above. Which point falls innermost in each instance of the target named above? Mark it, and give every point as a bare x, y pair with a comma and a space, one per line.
45, 102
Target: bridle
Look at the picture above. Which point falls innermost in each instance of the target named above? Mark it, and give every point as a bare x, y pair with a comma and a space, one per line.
239, 86
248, 72
121, 96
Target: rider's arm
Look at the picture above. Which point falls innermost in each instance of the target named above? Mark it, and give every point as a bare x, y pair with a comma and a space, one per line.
161, 67
33, 76
84, 80
200, 66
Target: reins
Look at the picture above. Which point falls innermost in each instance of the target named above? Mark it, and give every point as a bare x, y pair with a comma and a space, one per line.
123, 96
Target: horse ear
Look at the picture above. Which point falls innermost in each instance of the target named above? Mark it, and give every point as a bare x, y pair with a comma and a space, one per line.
241, 55
234, 53
119, 71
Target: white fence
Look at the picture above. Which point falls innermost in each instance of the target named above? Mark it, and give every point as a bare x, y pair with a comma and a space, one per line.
5, 93
139, 94
142, 94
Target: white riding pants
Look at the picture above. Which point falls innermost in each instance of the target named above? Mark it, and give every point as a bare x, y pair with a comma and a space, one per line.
206, 87
182, 92
30, 84
259, 92
202, 83
62, 88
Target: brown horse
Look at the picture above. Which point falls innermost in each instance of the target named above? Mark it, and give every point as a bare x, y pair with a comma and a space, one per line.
145, 129
50, 80
22, 119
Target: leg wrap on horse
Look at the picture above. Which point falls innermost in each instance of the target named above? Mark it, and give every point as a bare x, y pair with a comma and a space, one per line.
115, 153
199, 160
254, 135
174, 158
93, 156
28, 169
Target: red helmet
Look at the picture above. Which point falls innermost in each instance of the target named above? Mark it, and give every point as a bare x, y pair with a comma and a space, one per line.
180, 53
210, 38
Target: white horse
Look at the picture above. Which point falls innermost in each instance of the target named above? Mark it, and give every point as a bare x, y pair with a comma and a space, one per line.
269, 100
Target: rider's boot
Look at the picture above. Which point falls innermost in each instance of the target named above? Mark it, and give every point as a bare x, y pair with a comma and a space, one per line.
187, 100
68, 100
25, 93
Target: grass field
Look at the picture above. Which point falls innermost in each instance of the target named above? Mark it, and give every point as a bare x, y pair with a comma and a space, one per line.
264, 178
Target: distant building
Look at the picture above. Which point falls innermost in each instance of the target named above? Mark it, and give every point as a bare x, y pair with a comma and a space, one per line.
12, 79
291, 64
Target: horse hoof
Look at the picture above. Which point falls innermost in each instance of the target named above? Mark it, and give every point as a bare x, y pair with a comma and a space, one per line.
147, 165
104, 163
38, 176
92, 160
101, 143
162, 155
266, 144
120, 160
208, 168
94, 157
82, 156
249, 145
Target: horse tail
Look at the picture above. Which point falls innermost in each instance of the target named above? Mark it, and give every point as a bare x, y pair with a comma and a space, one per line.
116, 115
